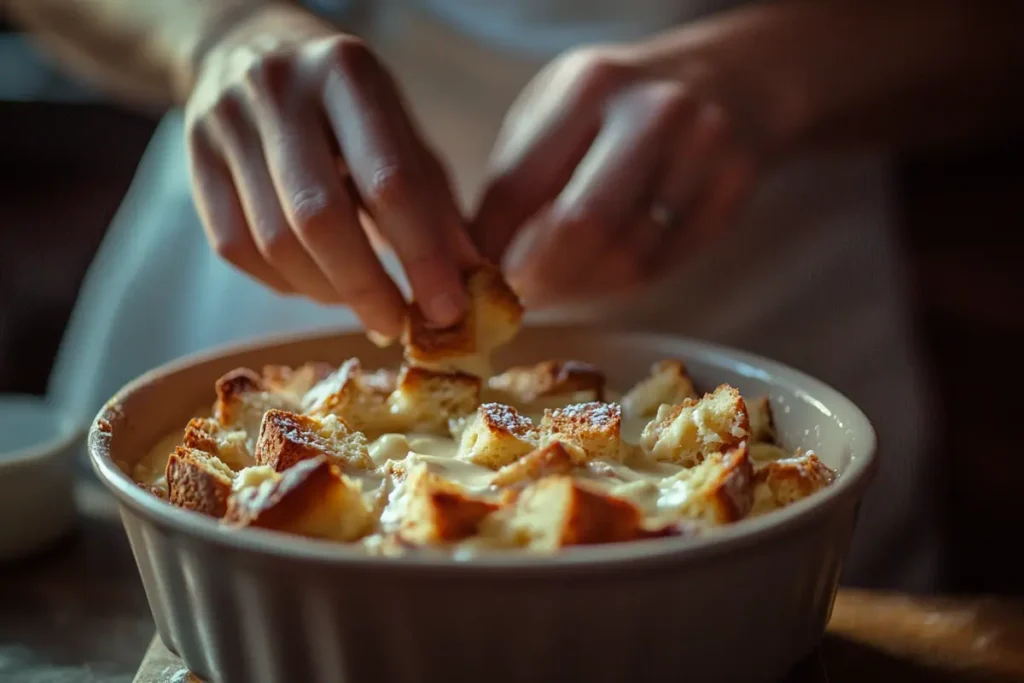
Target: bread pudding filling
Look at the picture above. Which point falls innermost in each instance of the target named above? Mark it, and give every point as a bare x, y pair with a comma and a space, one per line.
439, 455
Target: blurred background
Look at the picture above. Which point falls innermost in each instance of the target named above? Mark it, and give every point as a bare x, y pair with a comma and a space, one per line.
69, 155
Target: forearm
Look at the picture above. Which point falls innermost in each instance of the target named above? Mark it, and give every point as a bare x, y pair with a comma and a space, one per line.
138, 50
897, 73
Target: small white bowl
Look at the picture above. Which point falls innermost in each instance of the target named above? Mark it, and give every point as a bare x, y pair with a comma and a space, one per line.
37, 446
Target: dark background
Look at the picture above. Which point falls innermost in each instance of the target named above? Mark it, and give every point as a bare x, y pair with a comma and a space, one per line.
68, 158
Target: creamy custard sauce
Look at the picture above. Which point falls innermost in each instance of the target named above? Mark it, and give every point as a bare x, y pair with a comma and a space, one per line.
646, 484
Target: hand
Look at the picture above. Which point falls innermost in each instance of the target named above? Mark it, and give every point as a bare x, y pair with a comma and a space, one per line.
610, 168
292, 130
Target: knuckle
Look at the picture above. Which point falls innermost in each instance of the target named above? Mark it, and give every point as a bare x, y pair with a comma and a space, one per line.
266, 79
310, 210
351, 54
595, 67
228, 110
389, 185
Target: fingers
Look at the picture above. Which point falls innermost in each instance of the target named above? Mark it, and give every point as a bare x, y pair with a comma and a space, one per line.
321, 213
389, 169
271, 231
591, 218
222, 216
543, 138
688, 169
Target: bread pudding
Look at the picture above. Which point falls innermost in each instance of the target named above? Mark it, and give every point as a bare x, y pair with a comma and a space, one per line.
442, 454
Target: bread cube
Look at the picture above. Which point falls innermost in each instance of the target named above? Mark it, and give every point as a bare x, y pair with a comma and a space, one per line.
718, 490
687, 433
668, 383
242, 400
557, 511
548, 384
433, 510
762, 422
782, 482
587, 430
492, 319
425, 400
360, 399
312, 498
286, 438
496, 436
230, 445
198, 481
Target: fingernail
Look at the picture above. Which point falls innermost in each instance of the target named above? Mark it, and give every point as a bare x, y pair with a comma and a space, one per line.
380, 339
444, 310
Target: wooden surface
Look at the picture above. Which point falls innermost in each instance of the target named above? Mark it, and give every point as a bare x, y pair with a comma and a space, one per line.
873, 637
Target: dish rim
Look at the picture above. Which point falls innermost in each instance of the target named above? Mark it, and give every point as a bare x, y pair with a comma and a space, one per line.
678, 550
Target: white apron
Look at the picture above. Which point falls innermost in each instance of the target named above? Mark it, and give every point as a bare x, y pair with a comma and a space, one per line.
820, 288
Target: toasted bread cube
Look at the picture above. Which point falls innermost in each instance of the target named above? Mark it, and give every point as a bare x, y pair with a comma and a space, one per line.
719, 490
588, 430
243, 398
426, 400
286, 438
433, 510
199, 481
762, 422
295, 382
492, 320
549, 384
361, 399
668, 383
688, 432
496, 436
547, 460
781, 482
230, 445
557, 511
312, 498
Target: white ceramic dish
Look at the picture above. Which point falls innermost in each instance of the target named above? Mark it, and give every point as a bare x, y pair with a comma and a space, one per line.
742, 605
37, 446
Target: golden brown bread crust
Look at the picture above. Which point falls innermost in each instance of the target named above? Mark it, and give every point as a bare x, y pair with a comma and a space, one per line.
762, 421
312, 498
440, 511
524, 385
286, 438
782, 482
589, 430
723, 487
207, 434
231, 390
426, 400
669, 382
492, 320
551, 459
198, 481
688, 432
361, 399
496, 435
557, 511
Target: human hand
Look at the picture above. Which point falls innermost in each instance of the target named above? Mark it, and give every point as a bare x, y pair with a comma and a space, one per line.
276, 100
614, 164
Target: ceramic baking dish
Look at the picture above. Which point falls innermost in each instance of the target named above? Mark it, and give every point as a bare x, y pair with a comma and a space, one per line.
253, 606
